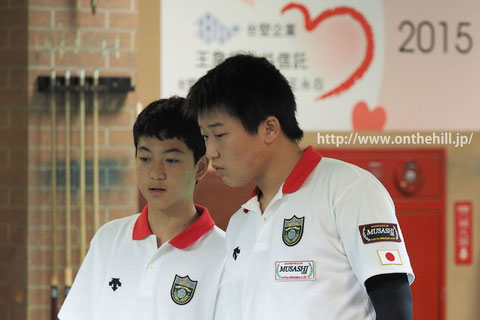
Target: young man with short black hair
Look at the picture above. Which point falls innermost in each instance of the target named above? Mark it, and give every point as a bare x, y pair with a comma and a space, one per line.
165, 262
319, 238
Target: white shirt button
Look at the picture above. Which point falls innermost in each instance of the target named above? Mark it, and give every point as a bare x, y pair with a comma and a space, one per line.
150, 266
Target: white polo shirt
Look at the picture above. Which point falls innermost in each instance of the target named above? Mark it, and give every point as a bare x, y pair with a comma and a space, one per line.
125, 276
330, 227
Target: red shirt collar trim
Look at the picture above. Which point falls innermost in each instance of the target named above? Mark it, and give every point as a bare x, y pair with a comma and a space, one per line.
302, 170
187, 237
299, 174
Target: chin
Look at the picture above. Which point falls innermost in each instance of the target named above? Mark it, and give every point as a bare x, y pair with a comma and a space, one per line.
234, 183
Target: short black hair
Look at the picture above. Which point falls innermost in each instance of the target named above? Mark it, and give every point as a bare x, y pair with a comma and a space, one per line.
165, 119
249, 88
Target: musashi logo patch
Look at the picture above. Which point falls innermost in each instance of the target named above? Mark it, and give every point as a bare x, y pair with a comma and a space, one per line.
183, 289
377, 232
292, 230
295, 270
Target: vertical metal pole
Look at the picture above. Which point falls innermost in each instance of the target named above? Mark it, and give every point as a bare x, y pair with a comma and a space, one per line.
68, 204
96, 197
83, 223
53, 149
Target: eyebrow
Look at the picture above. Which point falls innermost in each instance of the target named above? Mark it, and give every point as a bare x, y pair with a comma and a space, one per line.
143, 148
173, 150
214, 125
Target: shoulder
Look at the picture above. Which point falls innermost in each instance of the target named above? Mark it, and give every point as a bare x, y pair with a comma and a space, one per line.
342, 174
111, 230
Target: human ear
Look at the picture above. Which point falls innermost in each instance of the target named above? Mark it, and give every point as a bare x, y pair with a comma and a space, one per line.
202, 167
271, 129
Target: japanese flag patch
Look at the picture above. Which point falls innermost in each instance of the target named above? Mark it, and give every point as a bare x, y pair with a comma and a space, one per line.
388, 257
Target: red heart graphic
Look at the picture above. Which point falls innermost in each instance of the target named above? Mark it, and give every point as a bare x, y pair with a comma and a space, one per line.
312, 24
364, 119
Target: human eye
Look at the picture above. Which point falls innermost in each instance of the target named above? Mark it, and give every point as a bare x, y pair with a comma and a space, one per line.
220, 135
171, 161
144, 159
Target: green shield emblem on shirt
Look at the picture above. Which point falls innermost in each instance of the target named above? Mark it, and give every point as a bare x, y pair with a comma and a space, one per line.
183, 289
292, 230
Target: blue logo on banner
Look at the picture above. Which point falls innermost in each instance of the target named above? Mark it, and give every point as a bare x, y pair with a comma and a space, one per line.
211, 29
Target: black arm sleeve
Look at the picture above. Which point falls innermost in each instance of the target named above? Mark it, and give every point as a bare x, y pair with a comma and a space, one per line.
390, 295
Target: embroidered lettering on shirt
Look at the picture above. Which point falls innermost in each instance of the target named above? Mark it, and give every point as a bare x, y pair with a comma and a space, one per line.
294, 270
377, 232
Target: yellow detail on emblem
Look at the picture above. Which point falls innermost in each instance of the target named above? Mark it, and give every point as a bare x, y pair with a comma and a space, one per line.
292, 230
183, 289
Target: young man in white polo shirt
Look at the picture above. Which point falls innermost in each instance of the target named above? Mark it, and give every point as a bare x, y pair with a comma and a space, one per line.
165, 262
319, 238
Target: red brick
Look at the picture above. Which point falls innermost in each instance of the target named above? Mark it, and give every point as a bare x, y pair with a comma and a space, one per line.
78, 19
18, 197
10, 177
17, 159
18, 4
13, 57
39, 217
39, 313
97, 40
3, 77
18, 234
119, 196
39, 257
4, 119
15, 255
50, 3
124, 20
38, 157
40, 57
120, 137
80, 59
123, 59
124, 117
13, 98
19, 116
3, 236
125, 157
38, 276
18, 78
18, 38
102, 5
39, 18
19, 311
4, 38
48, 38
38, 296
13, 17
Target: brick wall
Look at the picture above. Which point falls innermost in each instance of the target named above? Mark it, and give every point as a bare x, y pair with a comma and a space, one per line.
64, 34
13, 159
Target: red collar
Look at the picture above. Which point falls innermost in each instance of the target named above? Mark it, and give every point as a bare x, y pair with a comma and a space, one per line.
187, 237
302, 170
300, 173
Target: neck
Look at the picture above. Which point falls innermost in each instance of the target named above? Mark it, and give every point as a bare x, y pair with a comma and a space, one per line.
283, 157
168, 223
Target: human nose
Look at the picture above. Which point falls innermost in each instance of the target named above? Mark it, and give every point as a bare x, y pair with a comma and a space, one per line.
157, 171
212, 149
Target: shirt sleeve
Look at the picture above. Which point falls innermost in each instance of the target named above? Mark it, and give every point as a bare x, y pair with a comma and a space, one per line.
79, 304
369, 231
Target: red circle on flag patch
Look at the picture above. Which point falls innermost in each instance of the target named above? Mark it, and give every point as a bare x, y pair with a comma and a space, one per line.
389, 256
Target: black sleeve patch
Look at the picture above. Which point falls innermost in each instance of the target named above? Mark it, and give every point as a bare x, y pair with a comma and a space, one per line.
377, 232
